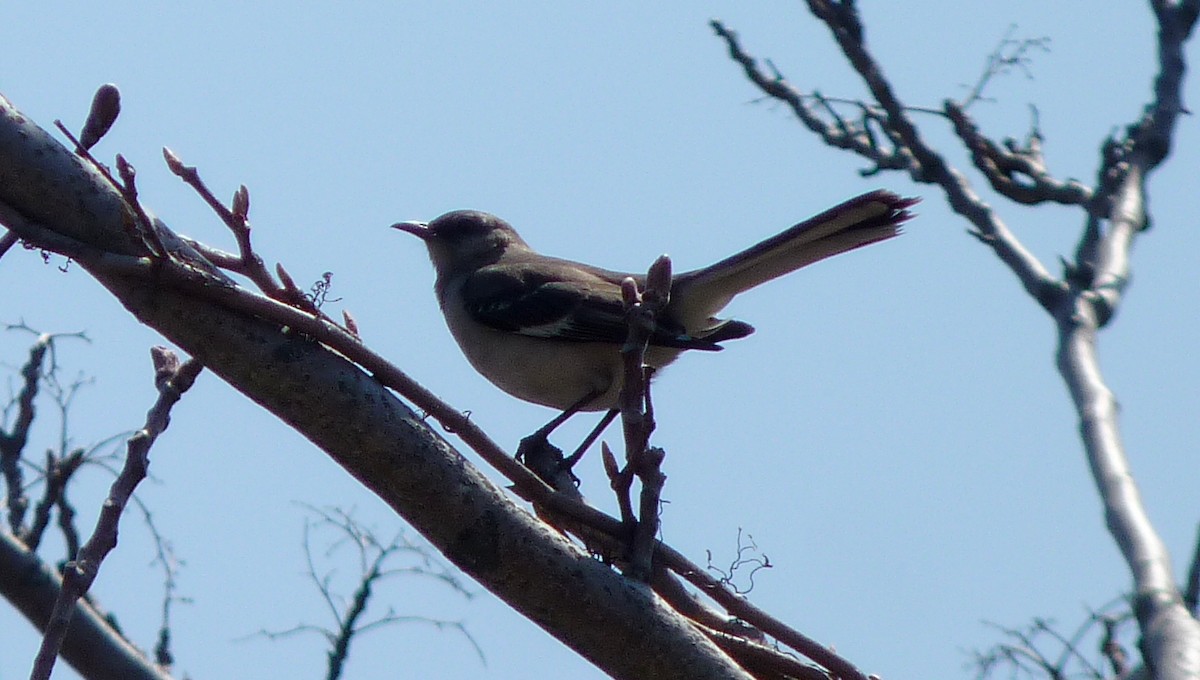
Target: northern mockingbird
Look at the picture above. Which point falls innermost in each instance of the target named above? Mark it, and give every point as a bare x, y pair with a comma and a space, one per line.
549, 331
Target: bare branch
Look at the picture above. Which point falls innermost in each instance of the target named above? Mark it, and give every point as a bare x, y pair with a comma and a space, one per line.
1041, 650
377, 563
642, 308
172, 379
1018, 173
763, 661
248, 262
1008, 55
740, 561
12, 442
920, 160
1171, 635
94, 648
841, 134
1091, 289
58, 474
39, 369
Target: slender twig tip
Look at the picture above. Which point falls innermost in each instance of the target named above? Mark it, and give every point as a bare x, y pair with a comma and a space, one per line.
174, 163
241, 202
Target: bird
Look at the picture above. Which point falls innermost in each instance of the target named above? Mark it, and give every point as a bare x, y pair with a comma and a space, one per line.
548, 330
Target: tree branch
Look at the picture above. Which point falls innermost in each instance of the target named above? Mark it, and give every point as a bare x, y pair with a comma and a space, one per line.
12, 442
924, 164
172, 379
1018, 174
841, 134
1085, 299
92, 647
1170, 634
46, 194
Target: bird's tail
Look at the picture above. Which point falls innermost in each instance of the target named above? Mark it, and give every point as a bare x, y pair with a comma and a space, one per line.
872, 217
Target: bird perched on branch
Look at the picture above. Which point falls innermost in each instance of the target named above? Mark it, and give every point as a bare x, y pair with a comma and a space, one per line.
549, 331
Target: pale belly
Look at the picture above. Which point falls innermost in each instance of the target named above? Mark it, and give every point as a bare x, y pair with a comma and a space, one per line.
548, 372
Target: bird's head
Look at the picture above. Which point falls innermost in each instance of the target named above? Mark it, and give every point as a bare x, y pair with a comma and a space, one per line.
464, 240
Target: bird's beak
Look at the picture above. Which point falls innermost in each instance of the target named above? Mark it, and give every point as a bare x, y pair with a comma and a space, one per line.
418, 229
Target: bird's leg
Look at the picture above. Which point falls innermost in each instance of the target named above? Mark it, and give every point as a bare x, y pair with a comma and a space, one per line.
570, 461
545, 430
545, 459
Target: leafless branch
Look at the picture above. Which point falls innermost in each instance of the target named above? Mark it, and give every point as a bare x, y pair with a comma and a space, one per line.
40, 369
859, 137
1111, 648
12, 441
94, 647
1016, 171
188, 274
1040, 650
1010, 54
143, 227
747, 557
921, 162
1087, 295
172, 378
247, 262
377, 562
169, 562
637, 416
58, 474
1171, 635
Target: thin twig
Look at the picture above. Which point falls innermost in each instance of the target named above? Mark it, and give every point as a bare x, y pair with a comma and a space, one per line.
637, 419
376, 563
12, 442
58, 474
1009, 54
856, 138
237, 220
172, 379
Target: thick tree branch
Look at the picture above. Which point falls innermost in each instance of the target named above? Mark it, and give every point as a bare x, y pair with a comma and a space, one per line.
357, 422
1170, 633
91, 647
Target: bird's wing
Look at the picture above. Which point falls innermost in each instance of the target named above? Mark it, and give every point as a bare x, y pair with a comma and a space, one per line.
571, 305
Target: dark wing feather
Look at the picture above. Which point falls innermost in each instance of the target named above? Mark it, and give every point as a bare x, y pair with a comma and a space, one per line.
524, 299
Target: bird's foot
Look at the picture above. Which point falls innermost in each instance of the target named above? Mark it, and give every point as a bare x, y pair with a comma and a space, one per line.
546, 461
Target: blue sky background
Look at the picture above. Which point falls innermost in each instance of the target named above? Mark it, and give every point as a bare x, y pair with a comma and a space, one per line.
894, 436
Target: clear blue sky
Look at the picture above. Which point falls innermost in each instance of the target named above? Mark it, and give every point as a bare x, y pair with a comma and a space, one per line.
894, 436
